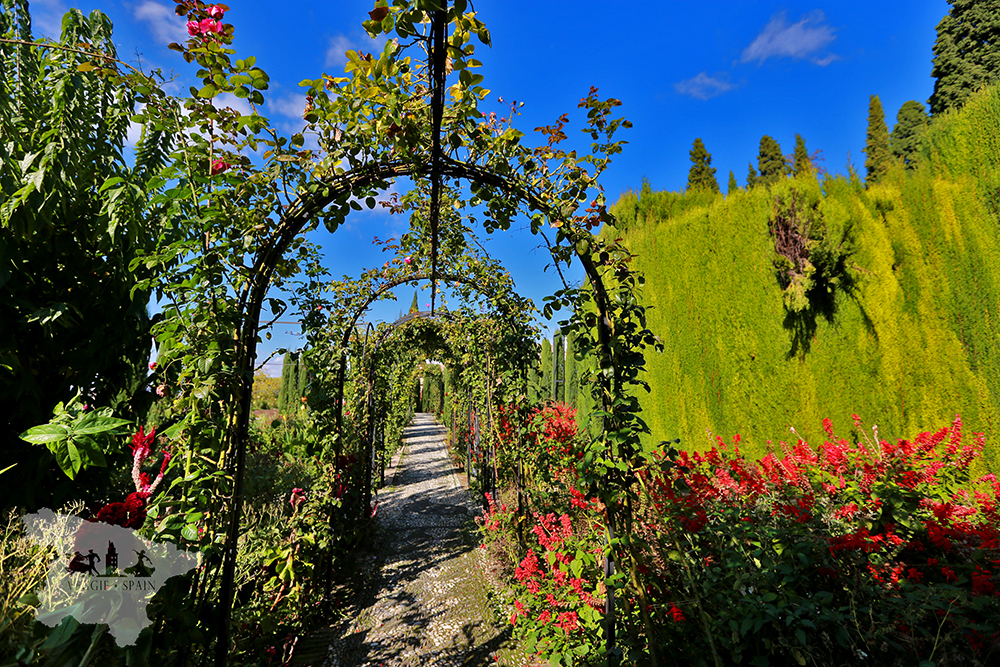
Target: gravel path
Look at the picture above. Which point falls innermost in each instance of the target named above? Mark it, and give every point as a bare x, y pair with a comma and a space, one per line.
424, 600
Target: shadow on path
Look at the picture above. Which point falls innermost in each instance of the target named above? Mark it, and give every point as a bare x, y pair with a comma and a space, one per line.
423, 600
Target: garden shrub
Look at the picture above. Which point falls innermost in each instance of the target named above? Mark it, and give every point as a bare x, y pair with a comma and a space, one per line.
867, 553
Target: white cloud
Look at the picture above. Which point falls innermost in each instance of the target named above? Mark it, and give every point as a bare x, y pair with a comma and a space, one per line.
703, 86
288, 105
341, 44
162, 22
46, 18
799, 40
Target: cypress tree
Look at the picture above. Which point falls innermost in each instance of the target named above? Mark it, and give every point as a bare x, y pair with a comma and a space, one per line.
415, 306
751, 176
546, 370
733, 185
558, 368
966, 52
302, 381
771, 161
800, 161
911, 123
701, 176
535, 376
876, 143
572, 375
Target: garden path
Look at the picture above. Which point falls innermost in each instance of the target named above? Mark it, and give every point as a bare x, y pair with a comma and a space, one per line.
423, 600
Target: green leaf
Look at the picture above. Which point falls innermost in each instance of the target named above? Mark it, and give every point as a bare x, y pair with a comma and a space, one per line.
190, 532
92, 425
209, 91
46, 433
29, 599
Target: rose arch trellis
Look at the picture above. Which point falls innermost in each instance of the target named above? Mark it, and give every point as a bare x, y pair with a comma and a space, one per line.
502, 175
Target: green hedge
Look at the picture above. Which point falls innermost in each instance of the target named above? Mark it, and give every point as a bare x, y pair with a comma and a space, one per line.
915, 344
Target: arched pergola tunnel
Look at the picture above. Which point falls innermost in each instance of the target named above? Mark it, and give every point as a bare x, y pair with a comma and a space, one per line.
506, 179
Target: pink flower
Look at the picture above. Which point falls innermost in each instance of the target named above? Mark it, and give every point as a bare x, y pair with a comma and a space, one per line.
216, 12
142, 447
161, 390
152, 366
208, 26
219, 166
297, 498
194, 28
407, 260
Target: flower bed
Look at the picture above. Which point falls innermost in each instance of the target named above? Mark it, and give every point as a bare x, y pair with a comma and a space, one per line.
865, 553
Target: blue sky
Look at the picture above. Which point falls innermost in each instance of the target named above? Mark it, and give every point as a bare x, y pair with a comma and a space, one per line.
727, 72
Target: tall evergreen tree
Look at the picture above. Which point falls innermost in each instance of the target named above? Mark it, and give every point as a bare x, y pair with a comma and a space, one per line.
876, 143
911, 123
302, 380
547, 369
415, 306
701, 176
800, 159
535, 376
771, 161
558, 368
966, 52
572, 373
733, 185
751, 176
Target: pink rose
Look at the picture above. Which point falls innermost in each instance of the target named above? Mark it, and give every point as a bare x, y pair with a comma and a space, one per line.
194, 29
209, 25
161, 391
407, 260
216, 12
219, 166
152, 366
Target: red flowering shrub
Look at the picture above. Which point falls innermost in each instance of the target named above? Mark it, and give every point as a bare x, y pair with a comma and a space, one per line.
825, 555
842, 554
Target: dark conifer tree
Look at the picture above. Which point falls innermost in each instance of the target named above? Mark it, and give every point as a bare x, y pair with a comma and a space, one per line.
751, 177
876, 143
800, 159
415, 306
771, 161
911, 122
733, 185
966, 52
701, 176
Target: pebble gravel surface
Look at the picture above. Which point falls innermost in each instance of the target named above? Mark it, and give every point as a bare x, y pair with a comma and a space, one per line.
424, 598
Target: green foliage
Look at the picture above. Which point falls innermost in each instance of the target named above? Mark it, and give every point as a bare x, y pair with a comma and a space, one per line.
912, 347
770, 162
966, 52
558, 368
571, 373
911, 123
77, 437
72, 221
701, 176
751, 176
801, 165
266, 391
877, 156
548, 360
733, 185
